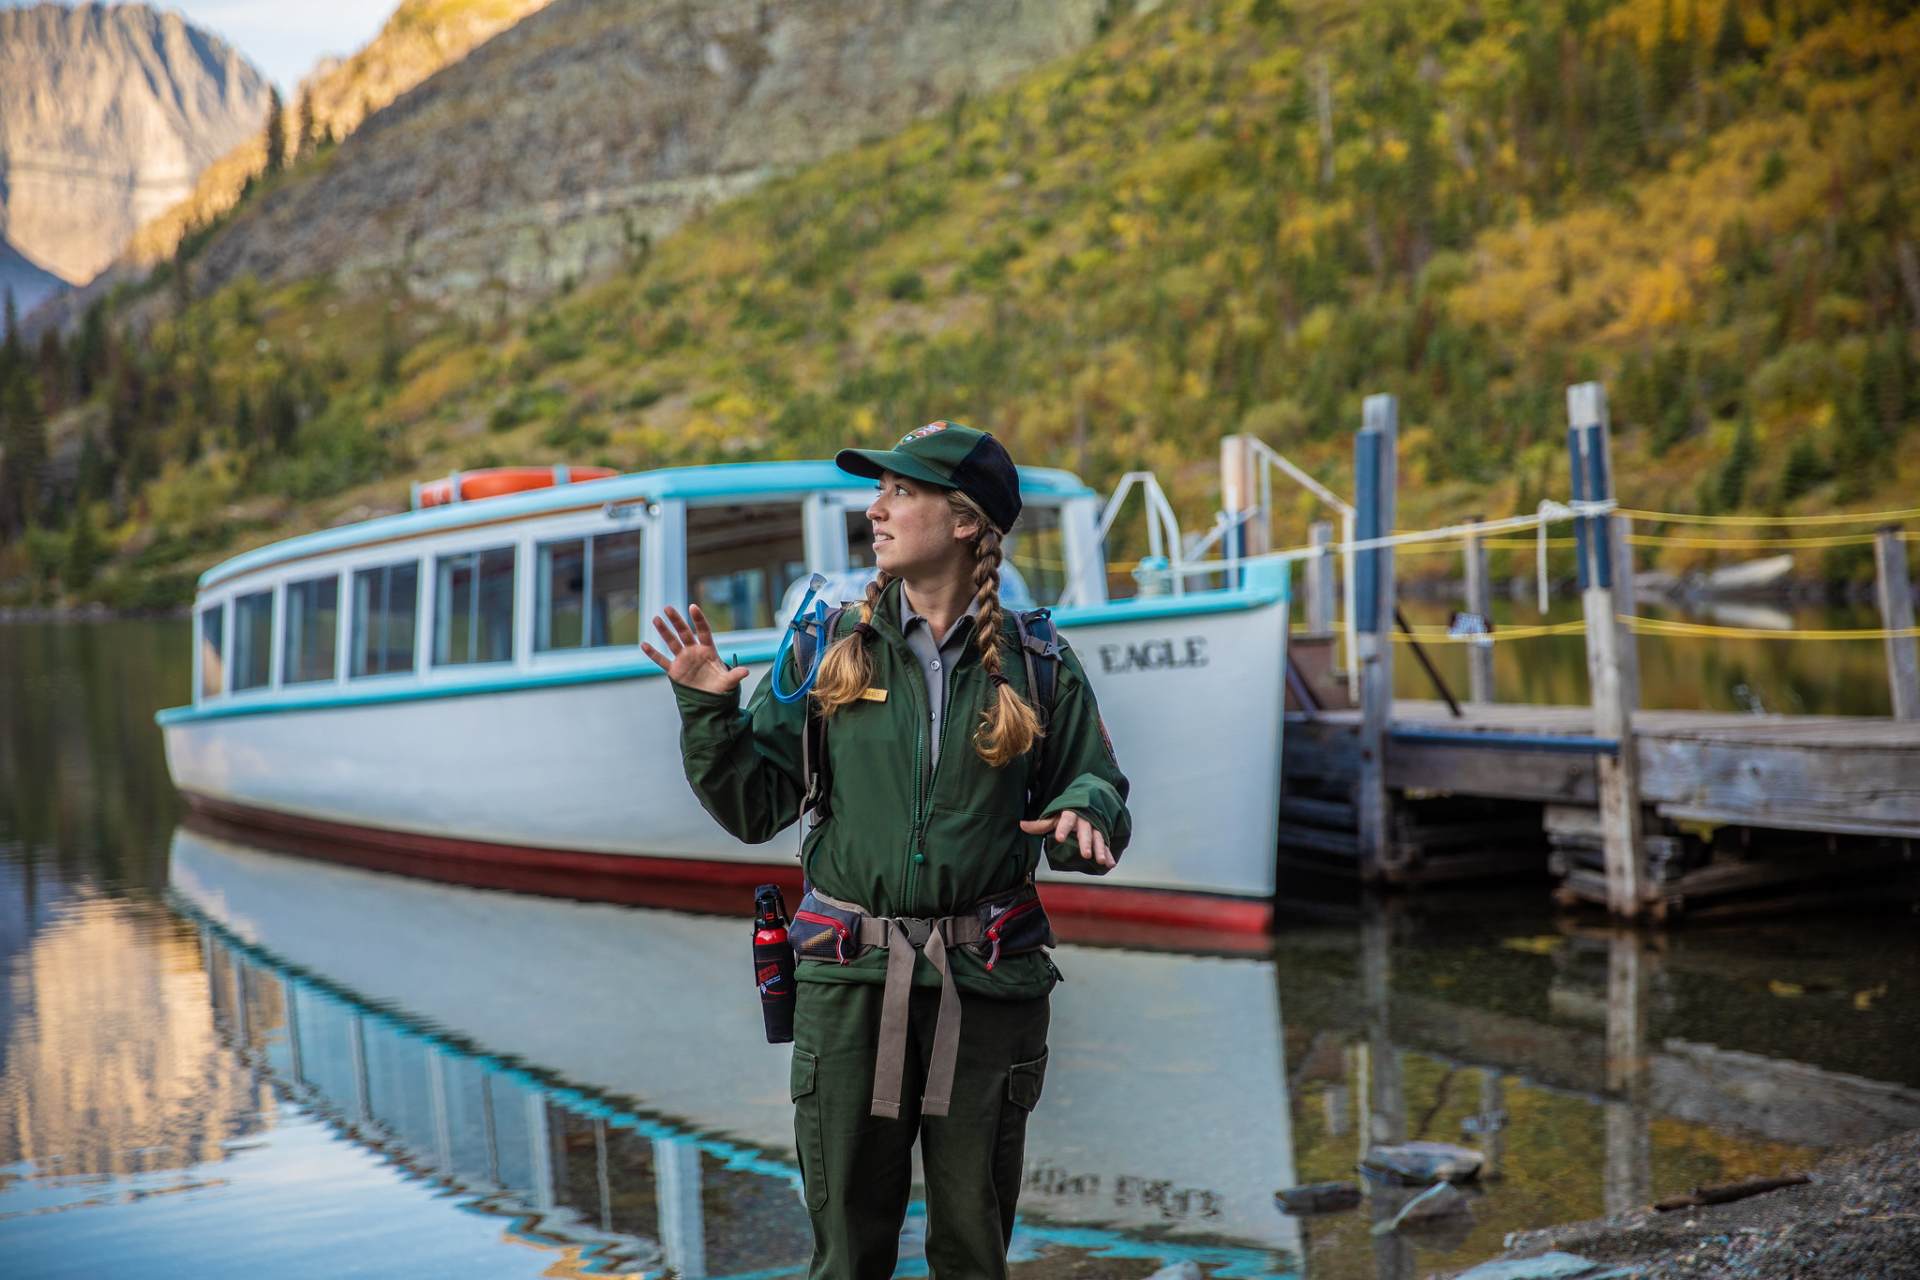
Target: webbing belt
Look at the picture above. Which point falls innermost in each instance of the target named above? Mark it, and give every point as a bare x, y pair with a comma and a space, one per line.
902, 936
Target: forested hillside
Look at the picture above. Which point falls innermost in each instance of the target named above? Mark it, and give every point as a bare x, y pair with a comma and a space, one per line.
1224, 215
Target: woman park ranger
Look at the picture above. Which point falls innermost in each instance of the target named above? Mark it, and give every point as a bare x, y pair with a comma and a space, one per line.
922, 993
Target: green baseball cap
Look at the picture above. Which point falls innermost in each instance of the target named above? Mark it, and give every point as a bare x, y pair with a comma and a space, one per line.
952, 456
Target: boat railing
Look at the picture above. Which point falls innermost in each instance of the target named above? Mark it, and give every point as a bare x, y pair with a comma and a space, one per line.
1165, 544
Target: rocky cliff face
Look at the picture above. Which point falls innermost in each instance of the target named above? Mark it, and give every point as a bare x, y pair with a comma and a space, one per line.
546, 154
107, 117
419, 39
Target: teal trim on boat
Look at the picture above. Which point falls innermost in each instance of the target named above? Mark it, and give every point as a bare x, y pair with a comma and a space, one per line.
1135, 610
690, 484
517, 683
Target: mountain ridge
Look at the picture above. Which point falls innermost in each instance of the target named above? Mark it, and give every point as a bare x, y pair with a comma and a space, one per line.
107, 116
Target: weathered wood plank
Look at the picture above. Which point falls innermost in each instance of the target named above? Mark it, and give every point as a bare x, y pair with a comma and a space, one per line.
1895, 591
1771, 783
1515, 775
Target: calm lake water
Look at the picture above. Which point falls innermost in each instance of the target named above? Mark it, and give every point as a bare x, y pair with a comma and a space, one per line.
219, 1059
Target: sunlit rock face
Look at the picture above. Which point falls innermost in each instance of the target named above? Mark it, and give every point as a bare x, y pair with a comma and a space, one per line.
549, 152
110, 1062
107, 117
421, 38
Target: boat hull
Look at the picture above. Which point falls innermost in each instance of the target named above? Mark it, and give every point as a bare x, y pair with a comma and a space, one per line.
577, 788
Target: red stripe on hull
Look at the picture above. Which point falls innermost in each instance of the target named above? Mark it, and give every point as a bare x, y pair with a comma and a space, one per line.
1081, 912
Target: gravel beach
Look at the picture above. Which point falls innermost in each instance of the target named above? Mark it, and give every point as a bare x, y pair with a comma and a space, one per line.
1858, 1219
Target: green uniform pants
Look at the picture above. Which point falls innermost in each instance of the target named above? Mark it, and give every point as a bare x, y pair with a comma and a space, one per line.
858, 1168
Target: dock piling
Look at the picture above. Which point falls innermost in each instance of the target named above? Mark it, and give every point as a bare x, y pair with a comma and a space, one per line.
1609, 677
1479, 601
1320, 579
1895, 593
1374, 478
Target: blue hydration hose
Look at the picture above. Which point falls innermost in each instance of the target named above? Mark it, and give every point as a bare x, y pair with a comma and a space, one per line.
786, 642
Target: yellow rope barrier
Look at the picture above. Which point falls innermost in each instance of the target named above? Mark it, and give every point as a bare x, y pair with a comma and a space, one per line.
1850, 517
1672, 628
1735, 544
1440, 635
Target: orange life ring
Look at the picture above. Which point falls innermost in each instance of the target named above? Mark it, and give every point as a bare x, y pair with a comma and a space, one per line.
493, 482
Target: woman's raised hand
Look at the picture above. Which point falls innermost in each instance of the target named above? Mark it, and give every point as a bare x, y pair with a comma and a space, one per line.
695, 662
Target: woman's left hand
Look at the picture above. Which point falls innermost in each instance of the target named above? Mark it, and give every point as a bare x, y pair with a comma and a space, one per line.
1068, 825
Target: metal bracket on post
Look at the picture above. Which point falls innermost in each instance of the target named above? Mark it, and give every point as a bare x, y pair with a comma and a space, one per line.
1374, 478
1619, 774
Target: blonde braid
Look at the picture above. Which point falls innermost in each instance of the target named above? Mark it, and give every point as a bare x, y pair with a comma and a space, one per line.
1009, 726
847, 668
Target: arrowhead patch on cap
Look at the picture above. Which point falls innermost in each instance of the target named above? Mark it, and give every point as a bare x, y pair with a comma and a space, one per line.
930, 429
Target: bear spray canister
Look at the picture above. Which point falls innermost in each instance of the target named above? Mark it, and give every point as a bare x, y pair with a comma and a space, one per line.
773, 963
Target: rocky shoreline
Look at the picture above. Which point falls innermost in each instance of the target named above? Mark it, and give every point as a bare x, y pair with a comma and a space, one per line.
1857, 1218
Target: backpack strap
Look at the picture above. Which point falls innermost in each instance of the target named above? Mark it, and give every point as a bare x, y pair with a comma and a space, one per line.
813, 736
1040, 639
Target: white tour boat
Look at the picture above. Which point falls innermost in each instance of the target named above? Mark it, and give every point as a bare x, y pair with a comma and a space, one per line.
457, 691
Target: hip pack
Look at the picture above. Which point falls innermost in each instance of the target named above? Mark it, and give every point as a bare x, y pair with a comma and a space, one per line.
828, 931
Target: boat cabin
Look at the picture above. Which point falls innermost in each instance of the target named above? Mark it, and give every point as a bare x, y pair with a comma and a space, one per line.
556, 582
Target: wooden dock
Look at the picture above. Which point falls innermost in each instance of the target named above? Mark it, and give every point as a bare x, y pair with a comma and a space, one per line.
1838, 798
1648, 813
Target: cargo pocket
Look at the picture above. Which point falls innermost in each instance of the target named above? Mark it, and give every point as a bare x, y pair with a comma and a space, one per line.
1010, 1143
808, 1142
1024, 1080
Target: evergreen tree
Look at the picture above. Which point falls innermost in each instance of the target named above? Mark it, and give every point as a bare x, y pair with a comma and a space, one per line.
23, 453
305, 138
1803, 471
1730, 45
1732, 483
91, 351
276, 139
10, 353
84, 552
1622, 132
51, 369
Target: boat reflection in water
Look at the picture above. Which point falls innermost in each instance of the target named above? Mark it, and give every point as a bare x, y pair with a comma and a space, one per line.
598, 1074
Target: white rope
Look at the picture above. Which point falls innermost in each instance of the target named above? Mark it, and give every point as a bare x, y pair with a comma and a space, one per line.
1549, 512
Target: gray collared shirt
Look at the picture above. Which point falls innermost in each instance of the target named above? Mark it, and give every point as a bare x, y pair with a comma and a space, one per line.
935, 662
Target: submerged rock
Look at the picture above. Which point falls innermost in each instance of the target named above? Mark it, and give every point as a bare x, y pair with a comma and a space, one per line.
1318, 1197
1422, 1162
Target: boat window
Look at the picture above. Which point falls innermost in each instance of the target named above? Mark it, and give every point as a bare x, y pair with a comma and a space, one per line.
253, 641
386, 611
741, 559
213, 680
589, 591
1037, 548
859, 540
473, 607
313, 628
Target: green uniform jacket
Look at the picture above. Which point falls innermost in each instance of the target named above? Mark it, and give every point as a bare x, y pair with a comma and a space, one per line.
903, 839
